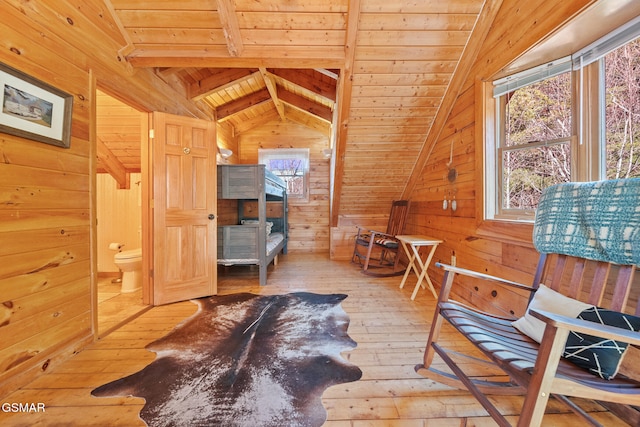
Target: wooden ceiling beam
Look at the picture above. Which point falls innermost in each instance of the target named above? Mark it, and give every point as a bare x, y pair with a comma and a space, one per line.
329, 73
219, 81
253, 56
341, 125
254, 122
243, 103
308, 120
273, 91
307, 105
110, 163
230, 27
306, 81
165, 72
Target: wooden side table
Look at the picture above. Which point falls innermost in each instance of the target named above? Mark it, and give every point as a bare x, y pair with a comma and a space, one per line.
411, 245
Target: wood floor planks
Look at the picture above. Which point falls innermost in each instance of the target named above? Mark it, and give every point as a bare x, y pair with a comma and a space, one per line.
115, 307
390, 329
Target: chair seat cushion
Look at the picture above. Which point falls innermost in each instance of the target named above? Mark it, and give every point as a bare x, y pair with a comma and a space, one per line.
364, 239
387, 243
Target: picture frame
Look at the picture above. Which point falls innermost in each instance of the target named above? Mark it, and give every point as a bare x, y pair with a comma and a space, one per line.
33, 109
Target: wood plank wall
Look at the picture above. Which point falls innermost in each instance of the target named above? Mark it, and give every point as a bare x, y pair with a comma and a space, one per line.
497, 248
46, 200
308, 220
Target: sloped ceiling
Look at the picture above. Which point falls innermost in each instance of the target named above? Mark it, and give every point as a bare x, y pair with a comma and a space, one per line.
373, 74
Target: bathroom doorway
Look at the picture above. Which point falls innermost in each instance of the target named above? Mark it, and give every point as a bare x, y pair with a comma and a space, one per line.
119, 136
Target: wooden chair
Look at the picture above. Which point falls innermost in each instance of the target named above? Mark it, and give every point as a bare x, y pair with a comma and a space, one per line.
377, 251
600, 275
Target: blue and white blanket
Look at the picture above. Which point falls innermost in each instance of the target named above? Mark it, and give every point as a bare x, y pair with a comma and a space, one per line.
594, 220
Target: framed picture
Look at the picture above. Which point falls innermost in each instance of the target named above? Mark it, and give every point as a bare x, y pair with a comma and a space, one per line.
33, 109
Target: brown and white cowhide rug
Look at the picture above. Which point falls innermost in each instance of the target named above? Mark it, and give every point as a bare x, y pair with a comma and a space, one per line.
245, 360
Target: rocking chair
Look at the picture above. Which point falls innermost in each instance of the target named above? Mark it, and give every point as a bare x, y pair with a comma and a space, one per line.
377, 251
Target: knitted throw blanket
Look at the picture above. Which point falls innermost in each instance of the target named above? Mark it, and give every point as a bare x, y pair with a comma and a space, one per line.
594, 220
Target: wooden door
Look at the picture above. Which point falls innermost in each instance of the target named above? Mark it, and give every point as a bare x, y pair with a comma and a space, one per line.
184, 208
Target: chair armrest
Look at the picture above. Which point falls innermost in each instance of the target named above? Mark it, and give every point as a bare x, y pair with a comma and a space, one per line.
482, 276
583, 326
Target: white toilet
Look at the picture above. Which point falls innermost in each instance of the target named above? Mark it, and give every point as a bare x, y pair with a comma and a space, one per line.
130, 262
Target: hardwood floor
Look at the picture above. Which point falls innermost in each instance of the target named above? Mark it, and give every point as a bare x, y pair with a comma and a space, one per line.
390, 329
116, 308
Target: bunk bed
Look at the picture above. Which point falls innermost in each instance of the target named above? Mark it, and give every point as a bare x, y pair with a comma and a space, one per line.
257, 233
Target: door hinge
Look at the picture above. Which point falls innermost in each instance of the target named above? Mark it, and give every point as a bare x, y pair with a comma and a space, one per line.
151, 133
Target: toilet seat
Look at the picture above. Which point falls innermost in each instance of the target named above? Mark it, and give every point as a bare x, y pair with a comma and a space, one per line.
130, 254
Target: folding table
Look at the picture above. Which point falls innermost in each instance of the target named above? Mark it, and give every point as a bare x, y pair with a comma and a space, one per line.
412, 245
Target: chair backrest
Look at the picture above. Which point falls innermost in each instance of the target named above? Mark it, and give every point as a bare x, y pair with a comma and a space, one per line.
397, 217
599, 283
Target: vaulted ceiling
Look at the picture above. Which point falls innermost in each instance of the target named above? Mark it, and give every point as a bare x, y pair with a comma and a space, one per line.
373, 74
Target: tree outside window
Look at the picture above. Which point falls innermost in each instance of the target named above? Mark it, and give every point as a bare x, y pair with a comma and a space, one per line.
622, 111
535, 150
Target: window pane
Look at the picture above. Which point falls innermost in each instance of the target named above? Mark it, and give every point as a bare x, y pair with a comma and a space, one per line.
622, 111
295, 185
286, 166
291, 170
290, 164
526, 172
539, 112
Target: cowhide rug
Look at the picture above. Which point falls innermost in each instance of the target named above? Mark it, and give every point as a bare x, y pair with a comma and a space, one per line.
245, 360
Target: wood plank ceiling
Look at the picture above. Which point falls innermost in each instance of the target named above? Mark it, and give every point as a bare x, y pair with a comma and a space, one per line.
370, 73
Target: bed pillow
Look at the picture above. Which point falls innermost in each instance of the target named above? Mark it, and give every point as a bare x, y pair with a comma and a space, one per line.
600, 356
547, 299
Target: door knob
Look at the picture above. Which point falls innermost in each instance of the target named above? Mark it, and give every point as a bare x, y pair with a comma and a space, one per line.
211, 216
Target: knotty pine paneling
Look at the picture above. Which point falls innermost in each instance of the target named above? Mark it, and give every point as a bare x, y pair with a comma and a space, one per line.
405, 56
308, 220
46, 192
496, 248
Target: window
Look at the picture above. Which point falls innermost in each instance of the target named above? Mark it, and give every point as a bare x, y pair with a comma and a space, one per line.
292, 165
622, 111
574, 119
533, 144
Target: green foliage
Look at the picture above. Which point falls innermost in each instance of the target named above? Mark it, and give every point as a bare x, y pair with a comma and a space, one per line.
540, 112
